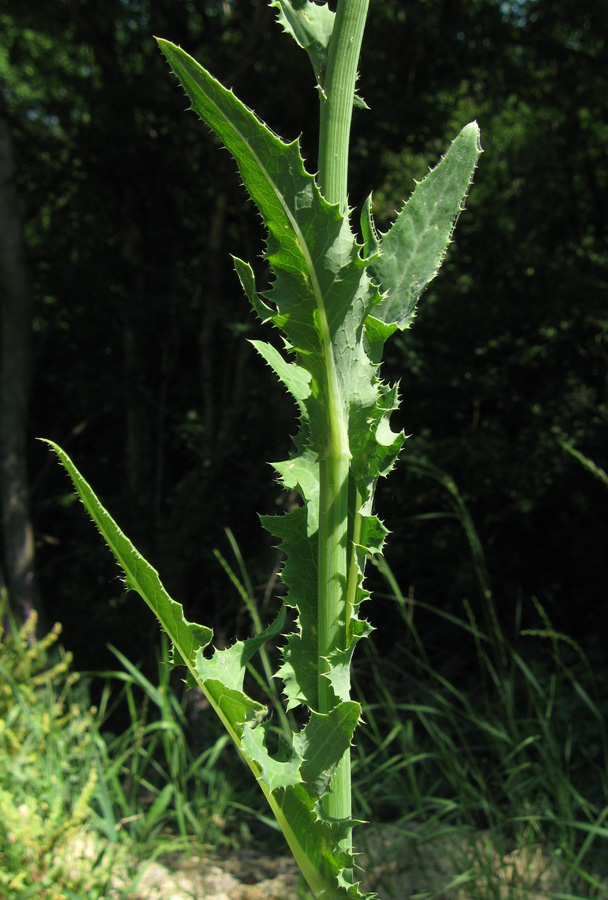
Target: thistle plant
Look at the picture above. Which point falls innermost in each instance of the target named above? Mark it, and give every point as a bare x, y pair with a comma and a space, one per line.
336, 300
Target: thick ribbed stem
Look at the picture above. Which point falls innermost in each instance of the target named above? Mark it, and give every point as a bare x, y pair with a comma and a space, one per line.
337, 99
334, 556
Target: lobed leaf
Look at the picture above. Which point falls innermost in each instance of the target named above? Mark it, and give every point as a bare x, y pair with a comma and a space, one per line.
315, 842
322, 294
291, 786
300, 656
295, 378
323, 742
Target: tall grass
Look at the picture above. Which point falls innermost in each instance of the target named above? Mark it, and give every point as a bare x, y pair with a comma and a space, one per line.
492, 769
153, 784
510, 743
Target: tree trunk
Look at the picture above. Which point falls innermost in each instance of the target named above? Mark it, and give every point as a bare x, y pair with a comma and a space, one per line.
15, 372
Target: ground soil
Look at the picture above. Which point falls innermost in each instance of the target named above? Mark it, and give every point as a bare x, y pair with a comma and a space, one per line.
398, 862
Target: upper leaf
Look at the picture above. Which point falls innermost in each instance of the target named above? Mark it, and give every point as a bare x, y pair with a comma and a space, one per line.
322, 293
414, 247
310, 24
322, 297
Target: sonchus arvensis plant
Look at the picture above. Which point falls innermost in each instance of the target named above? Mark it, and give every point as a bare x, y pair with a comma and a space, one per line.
335, 300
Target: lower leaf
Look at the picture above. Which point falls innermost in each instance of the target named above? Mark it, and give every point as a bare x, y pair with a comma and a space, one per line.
292, 787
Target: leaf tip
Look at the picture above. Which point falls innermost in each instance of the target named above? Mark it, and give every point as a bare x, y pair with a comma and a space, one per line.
53, 446
472, 130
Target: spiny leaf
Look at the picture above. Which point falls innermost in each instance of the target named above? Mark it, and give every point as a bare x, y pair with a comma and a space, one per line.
315, 842
300, 658
321, 293
235, 708
323, 742
414, 247
293, 210
310, 24
295, 378
187, 638
275, 773
317, 750
301, 473
247, 279
312, 840
222, 675
322, 297
229, 665
371, 238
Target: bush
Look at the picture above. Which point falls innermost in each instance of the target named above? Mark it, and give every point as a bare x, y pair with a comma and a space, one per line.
79, 811
48, 775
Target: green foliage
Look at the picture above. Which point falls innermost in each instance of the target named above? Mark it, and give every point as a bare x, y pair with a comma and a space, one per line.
521, 300
82, 808
506, 761
336, 302
153, 787
48, 776
311, 26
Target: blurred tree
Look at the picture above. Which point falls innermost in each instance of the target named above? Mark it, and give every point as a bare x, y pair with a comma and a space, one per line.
509, 350
142, 368
141, 364
15, 376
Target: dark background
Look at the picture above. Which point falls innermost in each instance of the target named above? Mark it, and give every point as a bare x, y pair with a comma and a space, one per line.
136, 352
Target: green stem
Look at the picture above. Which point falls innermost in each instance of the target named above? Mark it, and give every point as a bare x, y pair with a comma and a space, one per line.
337, 99
333, 587
333, 565
333, 560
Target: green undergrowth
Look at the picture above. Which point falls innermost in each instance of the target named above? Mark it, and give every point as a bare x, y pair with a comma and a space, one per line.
497, 758
492, 754
80, 807
489, 764
490, 771
48, 775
